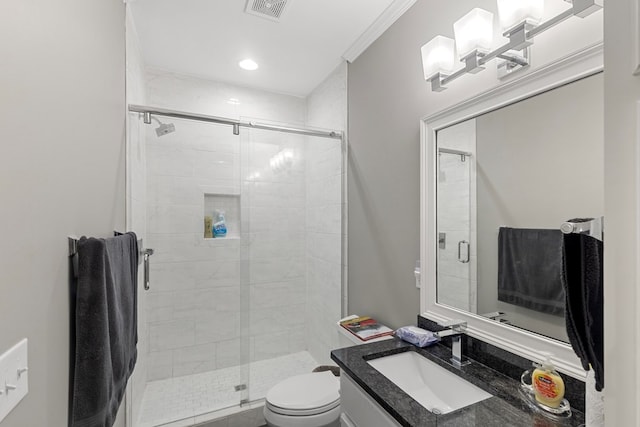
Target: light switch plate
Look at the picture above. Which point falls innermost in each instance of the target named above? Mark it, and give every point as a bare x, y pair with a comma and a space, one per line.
14, 377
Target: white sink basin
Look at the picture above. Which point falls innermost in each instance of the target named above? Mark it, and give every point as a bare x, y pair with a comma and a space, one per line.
432, 386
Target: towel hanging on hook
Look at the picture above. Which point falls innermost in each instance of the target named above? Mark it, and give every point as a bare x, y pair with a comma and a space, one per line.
583, 252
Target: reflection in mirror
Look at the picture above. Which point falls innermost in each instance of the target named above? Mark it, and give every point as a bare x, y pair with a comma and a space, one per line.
507, 180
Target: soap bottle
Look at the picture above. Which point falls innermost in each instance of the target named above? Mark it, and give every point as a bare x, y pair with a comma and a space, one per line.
547, 384
220, 226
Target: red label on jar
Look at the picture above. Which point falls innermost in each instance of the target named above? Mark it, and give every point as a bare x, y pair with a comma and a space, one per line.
545, 386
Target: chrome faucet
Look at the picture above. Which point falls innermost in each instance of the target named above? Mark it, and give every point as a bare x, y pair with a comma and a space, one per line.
498, 316
494, 315
455, 330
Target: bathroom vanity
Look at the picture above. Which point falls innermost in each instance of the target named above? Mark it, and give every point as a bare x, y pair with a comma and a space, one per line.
486, 172
369, 398
476, 180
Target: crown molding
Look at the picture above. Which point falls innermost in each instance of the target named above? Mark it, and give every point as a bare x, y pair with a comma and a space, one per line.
394, 11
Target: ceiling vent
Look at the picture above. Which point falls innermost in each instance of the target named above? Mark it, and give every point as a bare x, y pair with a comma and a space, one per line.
269, 9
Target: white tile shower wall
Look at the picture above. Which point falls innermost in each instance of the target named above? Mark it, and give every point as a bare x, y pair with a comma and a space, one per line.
194, 281
275, 232
457, 282
194, 315
326, 108
137, 199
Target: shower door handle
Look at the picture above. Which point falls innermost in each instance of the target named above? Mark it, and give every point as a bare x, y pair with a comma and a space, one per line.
146, 253
463, 251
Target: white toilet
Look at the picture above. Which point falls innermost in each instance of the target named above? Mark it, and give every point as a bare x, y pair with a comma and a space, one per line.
308, 400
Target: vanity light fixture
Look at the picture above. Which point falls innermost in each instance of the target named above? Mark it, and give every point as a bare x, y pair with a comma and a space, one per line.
520, 22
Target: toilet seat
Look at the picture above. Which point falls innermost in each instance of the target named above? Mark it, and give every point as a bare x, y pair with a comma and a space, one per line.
305, 395
302, 413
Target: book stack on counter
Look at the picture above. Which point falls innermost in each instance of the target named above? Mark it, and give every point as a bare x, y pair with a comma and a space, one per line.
366, 328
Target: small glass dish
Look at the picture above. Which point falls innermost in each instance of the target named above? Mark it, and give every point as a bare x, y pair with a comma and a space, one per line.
528, 395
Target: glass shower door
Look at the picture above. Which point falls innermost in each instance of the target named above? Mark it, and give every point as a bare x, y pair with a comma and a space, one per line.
294, 237
191, 339
454, 230
228, 317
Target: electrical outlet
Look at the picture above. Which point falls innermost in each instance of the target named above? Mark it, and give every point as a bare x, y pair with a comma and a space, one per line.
14, 377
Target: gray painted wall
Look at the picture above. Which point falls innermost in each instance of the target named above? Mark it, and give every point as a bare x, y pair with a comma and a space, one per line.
540, 163
387, 98
62, 115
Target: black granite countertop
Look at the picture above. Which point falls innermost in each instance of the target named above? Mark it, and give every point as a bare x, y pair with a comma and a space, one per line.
506, 408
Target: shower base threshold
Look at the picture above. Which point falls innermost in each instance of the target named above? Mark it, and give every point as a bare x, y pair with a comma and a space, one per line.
193, 399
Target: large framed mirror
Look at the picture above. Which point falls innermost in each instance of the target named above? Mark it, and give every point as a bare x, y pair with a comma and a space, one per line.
500, 171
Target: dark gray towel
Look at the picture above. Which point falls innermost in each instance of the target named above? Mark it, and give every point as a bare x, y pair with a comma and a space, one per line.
583, 270
105, 328
530, 269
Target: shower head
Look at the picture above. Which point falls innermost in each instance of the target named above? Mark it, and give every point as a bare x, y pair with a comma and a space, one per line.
165, 128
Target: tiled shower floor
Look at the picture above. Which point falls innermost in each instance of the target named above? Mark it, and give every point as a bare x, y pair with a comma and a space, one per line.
179, 398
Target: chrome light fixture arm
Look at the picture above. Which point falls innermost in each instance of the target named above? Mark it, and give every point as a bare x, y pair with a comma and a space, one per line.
515, 52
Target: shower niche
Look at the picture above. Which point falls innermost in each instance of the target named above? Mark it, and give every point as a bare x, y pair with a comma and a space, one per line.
229, 205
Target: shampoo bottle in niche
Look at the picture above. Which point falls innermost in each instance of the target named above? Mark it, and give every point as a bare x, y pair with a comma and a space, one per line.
220, 225
208, 227
547, 384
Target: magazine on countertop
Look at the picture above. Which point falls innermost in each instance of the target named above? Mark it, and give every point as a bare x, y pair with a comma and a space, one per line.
366, 328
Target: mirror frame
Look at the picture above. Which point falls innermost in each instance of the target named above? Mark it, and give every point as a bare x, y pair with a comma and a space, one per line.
527, 344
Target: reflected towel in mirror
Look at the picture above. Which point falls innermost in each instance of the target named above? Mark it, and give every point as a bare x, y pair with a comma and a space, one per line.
530, 269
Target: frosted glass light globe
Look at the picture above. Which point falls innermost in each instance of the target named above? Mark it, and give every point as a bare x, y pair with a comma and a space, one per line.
438, 56
514, 12
474, 31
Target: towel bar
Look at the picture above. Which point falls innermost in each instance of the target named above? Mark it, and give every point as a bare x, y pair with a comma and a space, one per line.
73, 251
593, 228
73, 247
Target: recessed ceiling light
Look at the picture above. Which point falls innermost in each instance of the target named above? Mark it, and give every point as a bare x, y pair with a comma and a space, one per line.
248, 64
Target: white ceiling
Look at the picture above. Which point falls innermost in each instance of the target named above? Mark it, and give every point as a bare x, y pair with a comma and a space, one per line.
207, 38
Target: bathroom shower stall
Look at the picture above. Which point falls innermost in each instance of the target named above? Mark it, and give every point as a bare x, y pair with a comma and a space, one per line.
456, 198
226, 318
